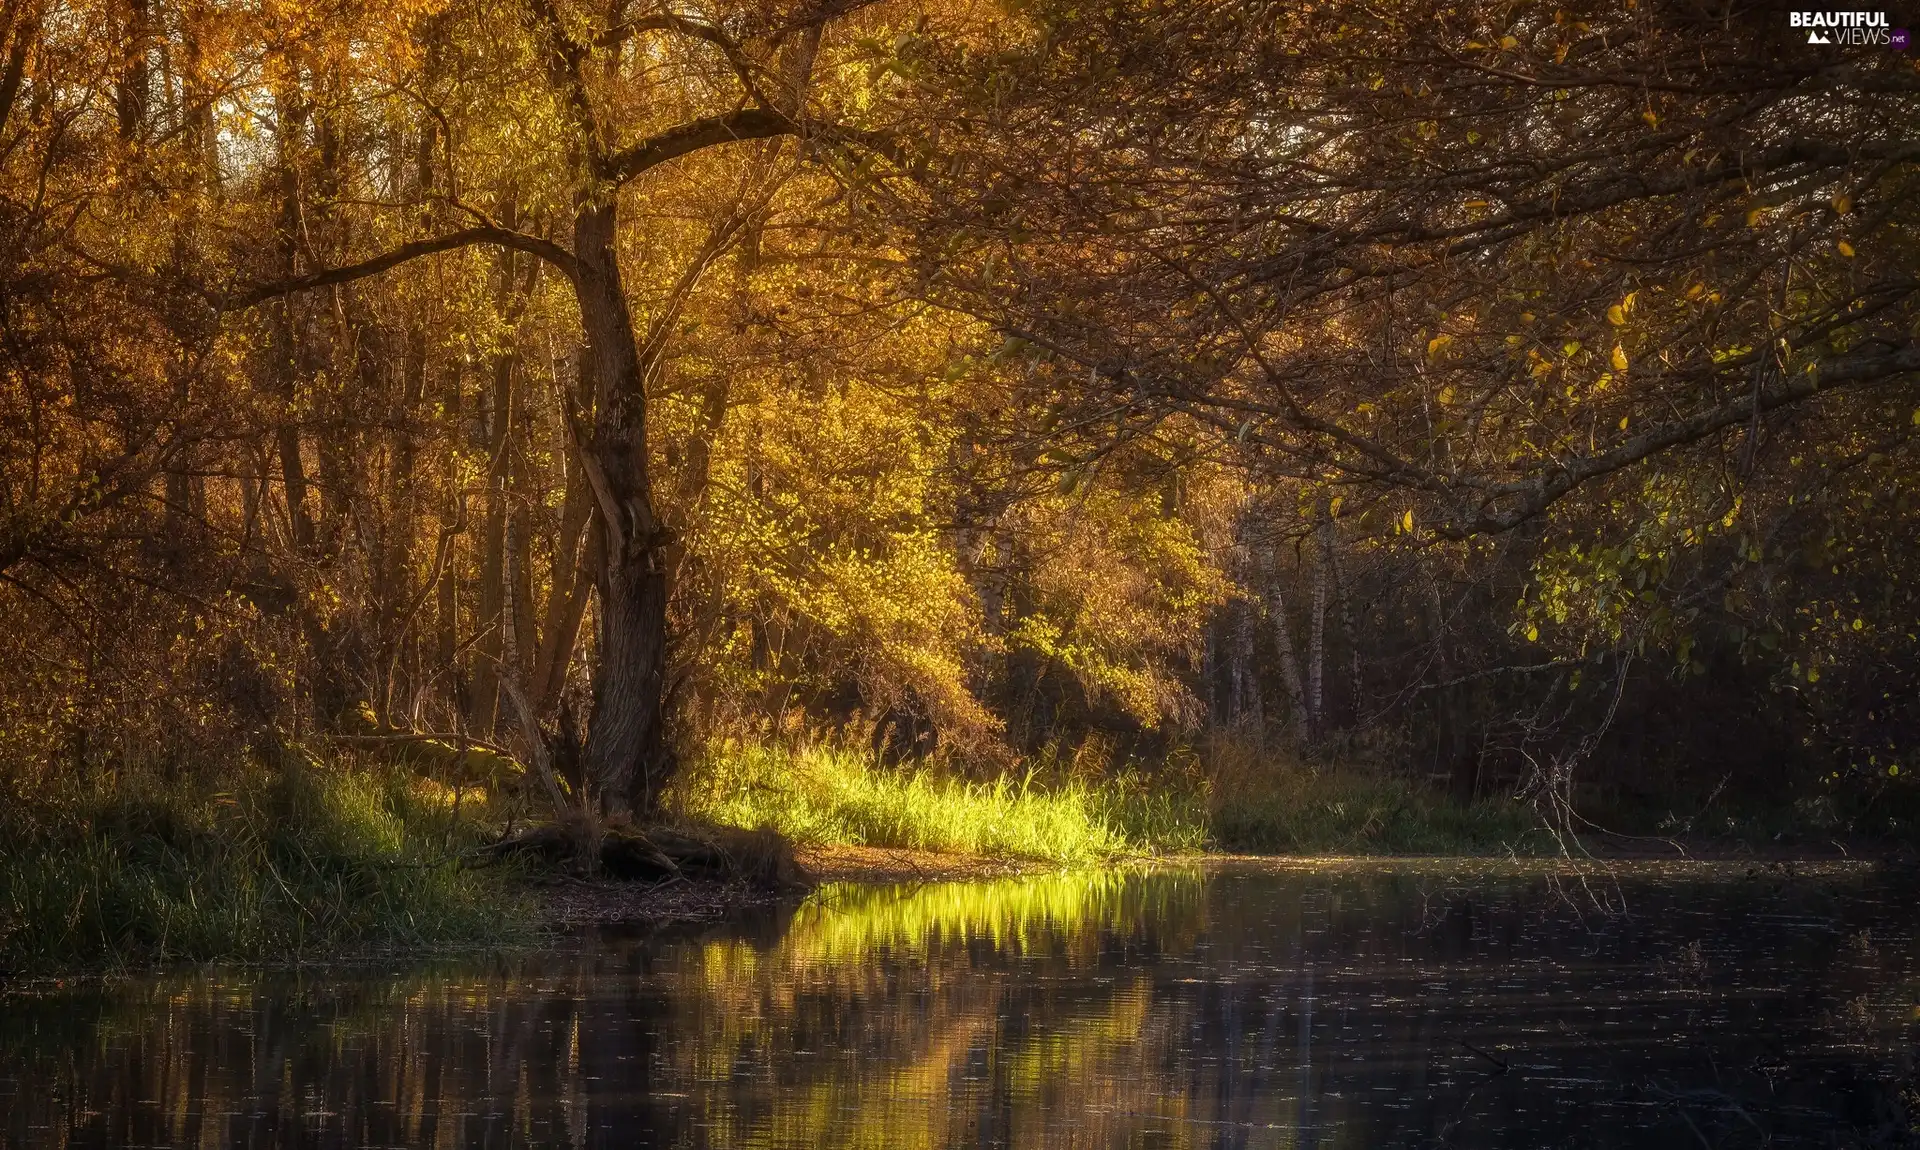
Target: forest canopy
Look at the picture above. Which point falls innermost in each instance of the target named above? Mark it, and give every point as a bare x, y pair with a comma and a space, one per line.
1481, 388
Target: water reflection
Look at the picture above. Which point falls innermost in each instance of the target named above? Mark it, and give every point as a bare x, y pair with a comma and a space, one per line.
1233, 1007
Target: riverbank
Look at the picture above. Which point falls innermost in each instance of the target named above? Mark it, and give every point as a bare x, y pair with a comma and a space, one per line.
573, 904
297, 858
568, 903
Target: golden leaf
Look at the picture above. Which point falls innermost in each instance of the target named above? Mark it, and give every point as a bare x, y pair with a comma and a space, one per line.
1619, 359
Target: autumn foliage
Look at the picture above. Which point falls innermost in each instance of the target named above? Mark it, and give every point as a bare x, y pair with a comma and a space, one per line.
1481, 391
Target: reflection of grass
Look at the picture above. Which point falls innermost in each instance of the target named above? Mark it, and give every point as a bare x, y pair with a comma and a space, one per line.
848, 922
930, 972
268, 863
831, 795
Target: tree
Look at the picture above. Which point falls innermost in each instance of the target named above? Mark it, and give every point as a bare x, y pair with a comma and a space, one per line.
588, 83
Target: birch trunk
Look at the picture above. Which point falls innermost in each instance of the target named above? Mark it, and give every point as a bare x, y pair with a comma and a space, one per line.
1289, 660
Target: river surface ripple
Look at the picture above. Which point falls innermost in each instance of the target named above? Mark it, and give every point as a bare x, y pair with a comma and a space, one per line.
1325, 1004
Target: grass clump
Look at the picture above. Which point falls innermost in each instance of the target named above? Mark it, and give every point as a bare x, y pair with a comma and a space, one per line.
293, 860
1265, 803
1360, 815
824, 794
1233, 799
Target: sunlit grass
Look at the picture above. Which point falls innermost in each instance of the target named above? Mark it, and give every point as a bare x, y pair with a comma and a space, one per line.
830, 795
297, 860
1239, 801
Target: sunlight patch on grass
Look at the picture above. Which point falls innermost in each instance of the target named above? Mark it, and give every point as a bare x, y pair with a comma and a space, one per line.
829, 795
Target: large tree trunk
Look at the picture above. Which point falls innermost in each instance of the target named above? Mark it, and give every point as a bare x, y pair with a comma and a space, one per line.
627, 754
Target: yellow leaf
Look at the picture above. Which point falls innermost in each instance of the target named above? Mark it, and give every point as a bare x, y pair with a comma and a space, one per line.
1846, 249
1755, 216
1619, 359
1446, 396
1842, 204
1533, 633
1437, 346
1623, 422
1526, 317
1406, 521
1509, 43
1333, 508
1653, 120
1616, 316
1696, 291
1571, 347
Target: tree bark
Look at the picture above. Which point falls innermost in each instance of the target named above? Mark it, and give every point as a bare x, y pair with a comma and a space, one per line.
1289, 662
627, 755
1317, 645
491, 647
1248, 713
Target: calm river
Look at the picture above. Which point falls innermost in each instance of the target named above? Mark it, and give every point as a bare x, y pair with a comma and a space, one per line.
1342, 1005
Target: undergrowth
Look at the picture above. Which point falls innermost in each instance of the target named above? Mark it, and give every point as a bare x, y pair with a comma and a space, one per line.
1363, 814
288, 861
832, 795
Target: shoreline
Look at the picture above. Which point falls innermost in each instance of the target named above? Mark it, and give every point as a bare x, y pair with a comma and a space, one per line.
560, 905
567, 904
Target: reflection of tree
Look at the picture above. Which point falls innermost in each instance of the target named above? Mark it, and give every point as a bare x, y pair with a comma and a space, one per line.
1165, 1008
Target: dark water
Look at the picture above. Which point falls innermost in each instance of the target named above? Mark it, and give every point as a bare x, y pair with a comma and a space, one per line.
1424, 1005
